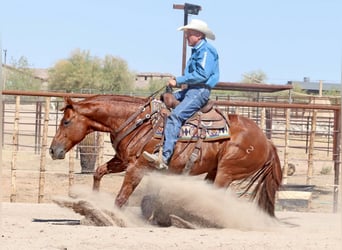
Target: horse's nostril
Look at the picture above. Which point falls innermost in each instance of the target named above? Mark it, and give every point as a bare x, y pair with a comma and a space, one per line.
50, 151
60, 154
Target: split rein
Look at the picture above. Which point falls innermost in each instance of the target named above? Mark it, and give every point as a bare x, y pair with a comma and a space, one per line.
119, 136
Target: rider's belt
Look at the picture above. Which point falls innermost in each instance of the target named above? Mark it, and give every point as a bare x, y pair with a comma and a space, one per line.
198, 86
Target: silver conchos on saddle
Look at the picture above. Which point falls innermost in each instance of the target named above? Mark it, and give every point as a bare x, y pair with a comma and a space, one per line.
156, 105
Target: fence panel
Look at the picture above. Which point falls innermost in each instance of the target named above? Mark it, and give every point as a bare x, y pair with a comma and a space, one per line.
306, 137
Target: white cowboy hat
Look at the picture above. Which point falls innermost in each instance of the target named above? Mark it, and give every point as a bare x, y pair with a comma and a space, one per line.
200, 26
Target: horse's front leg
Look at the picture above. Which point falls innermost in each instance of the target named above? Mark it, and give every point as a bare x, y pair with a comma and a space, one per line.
115, 165
133, 176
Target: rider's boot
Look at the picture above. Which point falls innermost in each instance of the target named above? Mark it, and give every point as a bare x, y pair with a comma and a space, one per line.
158, 161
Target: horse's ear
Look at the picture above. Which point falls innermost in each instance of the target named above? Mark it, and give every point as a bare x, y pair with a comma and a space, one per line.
67, 100
67, 103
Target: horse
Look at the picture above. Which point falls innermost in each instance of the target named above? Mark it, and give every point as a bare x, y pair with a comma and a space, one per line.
246, 155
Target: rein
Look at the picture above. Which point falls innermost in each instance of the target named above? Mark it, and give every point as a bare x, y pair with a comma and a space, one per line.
138, 123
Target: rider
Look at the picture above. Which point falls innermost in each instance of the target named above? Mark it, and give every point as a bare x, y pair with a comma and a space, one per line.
200, 76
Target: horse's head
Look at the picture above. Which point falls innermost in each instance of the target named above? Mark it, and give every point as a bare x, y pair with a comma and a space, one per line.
72, 129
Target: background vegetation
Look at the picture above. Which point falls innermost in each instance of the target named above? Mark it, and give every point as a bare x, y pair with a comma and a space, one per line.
82, 72
20, 77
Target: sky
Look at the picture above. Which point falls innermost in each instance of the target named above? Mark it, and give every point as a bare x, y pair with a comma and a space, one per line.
287, 40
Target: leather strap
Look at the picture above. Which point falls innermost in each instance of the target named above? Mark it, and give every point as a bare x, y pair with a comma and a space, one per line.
194, 155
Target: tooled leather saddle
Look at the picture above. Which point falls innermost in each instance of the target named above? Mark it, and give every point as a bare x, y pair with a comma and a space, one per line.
208, 124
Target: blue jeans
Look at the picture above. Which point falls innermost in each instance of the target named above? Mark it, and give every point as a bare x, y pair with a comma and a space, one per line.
191, 101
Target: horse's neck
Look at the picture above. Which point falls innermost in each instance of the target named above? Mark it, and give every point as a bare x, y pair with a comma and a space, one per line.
109, 116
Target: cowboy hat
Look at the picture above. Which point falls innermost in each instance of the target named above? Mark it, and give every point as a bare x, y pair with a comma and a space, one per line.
200, 26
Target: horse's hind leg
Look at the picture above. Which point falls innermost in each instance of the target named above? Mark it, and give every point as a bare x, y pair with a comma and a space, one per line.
223, 177
115, 165
222, 180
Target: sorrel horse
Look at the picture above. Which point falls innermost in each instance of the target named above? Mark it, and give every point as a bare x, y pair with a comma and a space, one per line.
247, 154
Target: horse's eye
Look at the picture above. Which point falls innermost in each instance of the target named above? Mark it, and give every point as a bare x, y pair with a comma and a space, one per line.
66, 122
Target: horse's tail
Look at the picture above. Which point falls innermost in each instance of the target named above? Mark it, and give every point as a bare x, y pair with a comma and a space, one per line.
269, 179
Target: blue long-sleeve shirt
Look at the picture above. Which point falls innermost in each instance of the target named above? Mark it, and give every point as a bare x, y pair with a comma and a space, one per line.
202, 66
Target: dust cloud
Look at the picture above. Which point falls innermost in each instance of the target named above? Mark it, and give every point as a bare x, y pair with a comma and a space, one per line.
190, 198
193, 196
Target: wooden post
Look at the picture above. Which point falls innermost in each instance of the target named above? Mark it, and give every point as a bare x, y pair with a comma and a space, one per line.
311, 147
43, 151
100, 145
263, 119
2, 123
287, 144
71, 168
337, 157
320, 94
188, 9
13, 196
269, 123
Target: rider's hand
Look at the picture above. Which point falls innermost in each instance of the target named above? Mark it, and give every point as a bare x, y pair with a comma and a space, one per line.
172, 82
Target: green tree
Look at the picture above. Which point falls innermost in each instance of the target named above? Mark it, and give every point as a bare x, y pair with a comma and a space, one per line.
297, 89
256, 76
115, 75
253, 77
332, 92
81, 71
156, 84
19, 76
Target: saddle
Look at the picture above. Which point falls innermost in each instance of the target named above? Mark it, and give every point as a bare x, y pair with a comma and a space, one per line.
208, 124
208, 117
207, 107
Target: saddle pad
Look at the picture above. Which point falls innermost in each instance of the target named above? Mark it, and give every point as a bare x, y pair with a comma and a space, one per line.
188, 133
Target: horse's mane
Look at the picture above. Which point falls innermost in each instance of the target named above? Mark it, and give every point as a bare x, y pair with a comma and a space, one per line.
100, 99
116, 98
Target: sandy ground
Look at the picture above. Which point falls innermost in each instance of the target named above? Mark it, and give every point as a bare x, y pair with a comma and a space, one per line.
20, 232
245, 226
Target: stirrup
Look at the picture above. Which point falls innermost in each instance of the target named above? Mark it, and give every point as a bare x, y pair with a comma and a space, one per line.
162, 165
156, 159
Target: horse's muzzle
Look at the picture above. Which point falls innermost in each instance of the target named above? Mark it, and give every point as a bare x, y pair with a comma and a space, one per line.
57, 153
